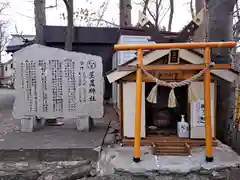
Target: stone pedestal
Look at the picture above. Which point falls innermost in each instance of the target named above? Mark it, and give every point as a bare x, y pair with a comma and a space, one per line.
28, 123
40, 123
31, 123
84, 123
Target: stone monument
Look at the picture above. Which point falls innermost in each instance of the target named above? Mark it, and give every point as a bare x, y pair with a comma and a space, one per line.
54, 83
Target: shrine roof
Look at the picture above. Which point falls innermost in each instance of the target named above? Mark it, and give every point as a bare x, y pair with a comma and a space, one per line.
191, 56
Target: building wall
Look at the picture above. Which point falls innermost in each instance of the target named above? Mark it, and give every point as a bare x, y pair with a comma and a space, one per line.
124, 56
197, 89
121, 57
8, 71
129, 103
1, 71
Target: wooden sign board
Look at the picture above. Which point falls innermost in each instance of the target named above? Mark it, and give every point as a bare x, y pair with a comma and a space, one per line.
168, 74
163, 75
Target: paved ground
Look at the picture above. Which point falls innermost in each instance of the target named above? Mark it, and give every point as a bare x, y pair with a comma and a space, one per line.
66, 137
7, 124
50, 137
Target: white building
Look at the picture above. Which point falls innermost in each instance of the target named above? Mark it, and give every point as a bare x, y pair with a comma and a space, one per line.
8, 72
17, 42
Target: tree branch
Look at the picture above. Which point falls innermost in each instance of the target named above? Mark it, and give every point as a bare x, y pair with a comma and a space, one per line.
191, 9
104, 6
103, 20
146, 2
4, 6
171, 15
151, 14
66, 3
157, 4
164, 15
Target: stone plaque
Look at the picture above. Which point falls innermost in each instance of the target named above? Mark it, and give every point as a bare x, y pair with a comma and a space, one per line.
52, 83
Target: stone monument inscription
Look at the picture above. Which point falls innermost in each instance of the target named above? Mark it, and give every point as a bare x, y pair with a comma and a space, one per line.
52, 83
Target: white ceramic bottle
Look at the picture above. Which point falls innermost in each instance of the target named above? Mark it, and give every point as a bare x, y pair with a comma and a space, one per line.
183, 128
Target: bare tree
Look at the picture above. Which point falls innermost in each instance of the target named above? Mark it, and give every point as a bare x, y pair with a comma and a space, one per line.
145, 6
70, 25
236, 20
192, 9
40, 20
200, 33
83, 17
157, 11
3, 29
125, 8
91, 17
171, 15
3, 37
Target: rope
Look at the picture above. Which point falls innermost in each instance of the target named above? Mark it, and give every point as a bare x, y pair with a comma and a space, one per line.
172, 100
173, 85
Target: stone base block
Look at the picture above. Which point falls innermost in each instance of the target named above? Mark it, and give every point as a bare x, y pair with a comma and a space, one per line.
28, 123
84, 123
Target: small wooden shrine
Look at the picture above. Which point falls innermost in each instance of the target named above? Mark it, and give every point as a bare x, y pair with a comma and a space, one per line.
159, 114
186, 85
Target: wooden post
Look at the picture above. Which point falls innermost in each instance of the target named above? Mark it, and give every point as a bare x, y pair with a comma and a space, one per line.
138, 109
207, 106
121, 109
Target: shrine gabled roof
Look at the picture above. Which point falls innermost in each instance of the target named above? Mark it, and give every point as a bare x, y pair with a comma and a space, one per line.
145, 52
193, 57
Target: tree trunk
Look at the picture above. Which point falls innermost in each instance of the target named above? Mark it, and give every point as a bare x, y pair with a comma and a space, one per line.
40, 20
145, 6
171, 15
70, 25
201, 31
220, 29
192, 9
125, 13
199, 4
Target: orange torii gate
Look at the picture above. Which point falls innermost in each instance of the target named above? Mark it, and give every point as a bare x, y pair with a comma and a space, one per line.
207, 100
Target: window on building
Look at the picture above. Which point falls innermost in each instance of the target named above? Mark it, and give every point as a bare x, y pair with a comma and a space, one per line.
11, 65
6, 68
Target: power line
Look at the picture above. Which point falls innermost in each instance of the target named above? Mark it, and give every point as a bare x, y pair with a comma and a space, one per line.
24, 15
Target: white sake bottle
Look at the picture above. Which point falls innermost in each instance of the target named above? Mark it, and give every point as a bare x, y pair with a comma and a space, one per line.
183, 128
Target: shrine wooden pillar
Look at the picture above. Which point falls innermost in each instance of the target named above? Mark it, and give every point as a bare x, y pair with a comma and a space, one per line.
207, 105
138, 110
